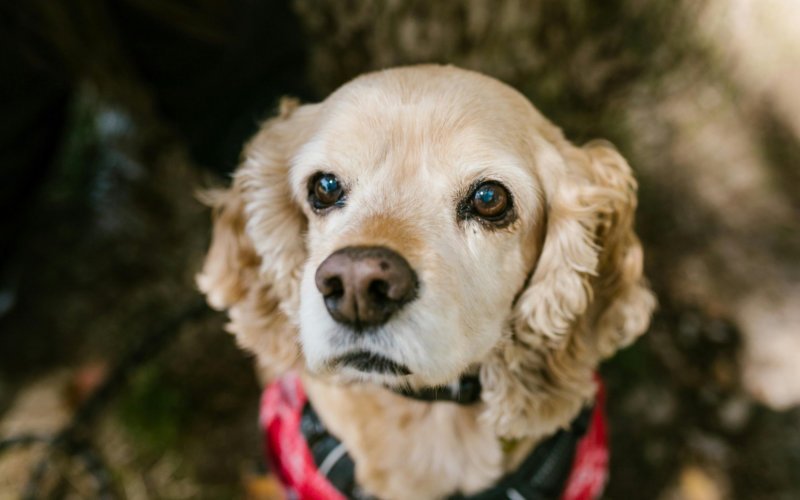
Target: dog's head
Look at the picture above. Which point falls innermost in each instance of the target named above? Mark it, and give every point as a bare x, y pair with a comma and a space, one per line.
424, 222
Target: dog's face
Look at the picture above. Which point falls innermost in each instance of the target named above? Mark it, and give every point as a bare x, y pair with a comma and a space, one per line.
440, 191
423, 222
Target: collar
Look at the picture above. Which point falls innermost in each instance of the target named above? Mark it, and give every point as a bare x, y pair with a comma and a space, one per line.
464, 391
313, 464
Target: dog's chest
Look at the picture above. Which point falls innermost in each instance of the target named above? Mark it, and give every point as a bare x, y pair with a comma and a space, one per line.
406, 449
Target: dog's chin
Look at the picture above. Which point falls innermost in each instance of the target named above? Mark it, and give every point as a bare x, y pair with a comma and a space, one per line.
346, 376
362, 366
371, 363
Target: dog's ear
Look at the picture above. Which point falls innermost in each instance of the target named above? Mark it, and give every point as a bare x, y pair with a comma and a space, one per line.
231, 264
586, 298
252, 268
591, 260
624, 302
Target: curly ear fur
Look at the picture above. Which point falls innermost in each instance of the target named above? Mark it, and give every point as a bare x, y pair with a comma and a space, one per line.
586, 299
258, 283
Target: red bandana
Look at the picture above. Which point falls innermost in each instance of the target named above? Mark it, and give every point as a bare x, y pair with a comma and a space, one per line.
282, 407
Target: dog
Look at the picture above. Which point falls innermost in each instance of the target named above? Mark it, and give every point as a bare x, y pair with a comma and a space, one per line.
420, 227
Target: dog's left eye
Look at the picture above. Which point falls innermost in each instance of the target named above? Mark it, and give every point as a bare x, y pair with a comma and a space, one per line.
325, 190
489, 203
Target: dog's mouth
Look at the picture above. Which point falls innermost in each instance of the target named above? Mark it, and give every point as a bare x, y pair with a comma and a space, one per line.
366, 361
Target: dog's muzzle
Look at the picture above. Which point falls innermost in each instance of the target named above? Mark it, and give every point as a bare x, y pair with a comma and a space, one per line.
363, 286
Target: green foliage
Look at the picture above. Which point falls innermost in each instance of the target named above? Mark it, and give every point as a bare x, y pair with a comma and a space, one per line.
153, 410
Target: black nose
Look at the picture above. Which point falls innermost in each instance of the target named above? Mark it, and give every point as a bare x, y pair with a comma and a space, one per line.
364, 286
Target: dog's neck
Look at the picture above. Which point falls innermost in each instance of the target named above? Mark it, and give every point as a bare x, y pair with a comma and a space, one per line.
406, 448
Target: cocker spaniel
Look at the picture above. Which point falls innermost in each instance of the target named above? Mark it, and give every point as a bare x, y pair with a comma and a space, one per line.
422, 225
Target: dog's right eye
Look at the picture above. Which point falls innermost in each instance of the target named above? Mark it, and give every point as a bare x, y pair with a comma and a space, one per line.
325, 191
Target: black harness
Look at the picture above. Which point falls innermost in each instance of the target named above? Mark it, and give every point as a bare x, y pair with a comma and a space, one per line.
542, 475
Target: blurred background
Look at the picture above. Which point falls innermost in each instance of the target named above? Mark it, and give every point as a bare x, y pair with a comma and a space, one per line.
116, 381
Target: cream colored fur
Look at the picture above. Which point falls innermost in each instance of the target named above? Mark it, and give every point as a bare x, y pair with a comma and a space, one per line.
534, 306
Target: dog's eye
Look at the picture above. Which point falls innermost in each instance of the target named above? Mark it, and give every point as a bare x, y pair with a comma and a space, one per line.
490, 201
325, 190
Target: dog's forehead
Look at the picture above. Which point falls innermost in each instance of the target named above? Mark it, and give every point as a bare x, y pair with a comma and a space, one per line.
417, 121
429, 105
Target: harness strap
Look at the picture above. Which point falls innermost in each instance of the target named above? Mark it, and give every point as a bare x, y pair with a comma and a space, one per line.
543, 474
285, 447
331, 455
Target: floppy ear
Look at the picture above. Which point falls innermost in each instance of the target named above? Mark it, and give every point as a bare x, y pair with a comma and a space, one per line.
252, 268
624, 301
586, 298
231, 264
